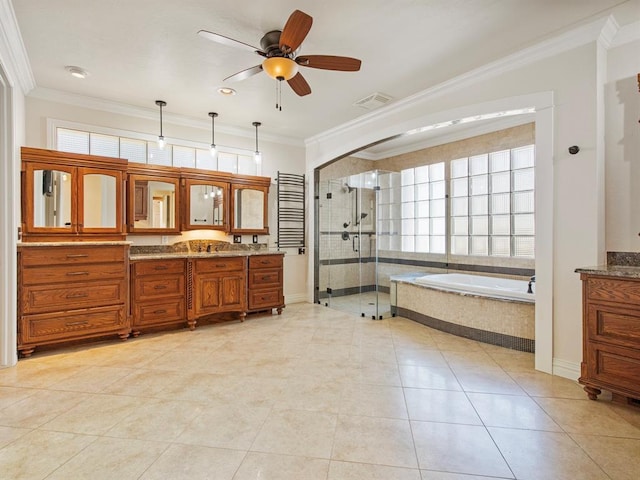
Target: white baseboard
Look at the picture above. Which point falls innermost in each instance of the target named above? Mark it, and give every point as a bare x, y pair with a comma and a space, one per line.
296, 298
566, 369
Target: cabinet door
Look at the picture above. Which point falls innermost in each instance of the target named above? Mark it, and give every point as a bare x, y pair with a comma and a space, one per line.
215, 293
233, 296
153, 204
207, 294
99, 201
49, 200
206, 205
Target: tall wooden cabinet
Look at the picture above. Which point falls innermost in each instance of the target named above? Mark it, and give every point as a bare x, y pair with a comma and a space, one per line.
69, 293
265, 283
611, 335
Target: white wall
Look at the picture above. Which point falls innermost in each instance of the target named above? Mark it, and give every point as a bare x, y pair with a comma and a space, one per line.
623, 149
275, 156
574, 76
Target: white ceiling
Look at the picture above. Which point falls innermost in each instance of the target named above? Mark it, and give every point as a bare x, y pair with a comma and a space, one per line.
143, 50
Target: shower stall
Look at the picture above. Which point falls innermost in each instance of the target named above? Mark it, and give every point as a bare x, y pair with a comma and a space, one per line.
358, 216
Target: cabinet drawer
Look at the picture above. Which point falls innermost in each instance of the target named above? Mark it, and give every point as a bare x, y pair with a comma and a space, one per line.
614, 324
613, 289
265, 298
225, 264
73, 273
44, 298
265, 261
35, 256
265, 278
159, 267
69, 325
153, 287
611, 365
159, 312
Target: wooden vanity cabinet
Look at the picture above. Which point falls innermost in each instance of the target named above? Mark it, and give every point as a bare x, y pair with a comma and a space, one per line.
71, 292
218, 285
265, 283
68, 196
611, 335
158, 293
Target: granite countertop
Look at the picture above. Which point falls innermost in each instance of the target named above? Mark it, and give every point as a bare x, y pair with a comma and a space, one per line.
230, 253
619, 264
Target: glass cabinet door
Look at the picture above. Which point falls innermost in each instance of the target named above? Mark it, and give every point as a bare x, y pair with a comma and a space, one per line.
207, 205
49, 199
249, 209
153, 204
100, 200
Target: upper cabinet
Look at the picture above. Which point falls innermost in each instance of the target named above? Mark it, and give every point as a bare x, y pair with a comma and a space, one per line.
71, 196
249, 200
153, 200
206, 200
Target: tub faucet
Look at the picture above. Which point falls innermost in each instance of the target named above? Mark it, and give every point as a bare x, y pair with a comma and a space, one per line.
532, 280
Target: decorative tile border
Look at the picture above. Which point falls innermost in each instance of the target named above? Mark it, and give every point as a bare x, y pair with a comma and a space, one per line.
493, 338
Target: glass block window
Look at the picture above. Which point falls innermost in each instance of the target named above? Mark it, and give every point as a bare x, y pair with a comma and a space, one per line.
492, 204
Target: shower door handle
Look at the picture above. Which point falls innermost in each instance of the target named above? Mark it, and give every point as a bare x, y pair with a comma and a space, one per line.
353, 243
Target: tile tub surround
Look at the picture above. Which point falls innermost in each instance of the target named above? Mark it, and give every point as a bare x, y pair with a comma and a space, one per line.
496, 321
301, 407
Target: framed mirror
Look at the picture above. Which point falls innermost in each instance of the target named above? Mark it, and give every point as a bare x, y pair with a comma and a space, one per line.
99, 208
52, 198
249, 209
206, 205
153, 205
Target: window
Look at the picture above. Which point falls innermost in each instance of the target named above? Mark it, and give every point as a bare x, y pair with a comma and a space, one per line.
491, 205
143, 151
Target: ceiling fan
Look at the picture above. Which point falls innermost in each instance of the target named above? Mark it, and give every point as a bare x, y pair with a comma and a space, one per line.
280, 50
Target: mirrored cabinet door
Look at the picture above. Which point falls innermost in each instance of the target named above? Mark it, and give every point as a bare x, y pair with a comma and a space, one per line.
207, 205
49, 199
153, 204
100, 201
249, 209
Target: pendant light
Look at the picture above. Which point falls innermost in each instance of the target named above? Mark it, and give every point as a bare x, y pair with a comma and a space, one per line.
257, 156
161, 142
214, 150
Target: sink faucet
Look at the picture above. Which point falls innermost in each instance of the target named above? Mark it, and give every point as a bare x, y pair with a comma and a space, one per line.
531, 281
209, 248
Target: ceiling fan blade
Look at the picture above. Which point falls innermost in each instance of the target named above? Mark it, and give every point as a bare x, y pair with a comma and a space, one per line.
299, 85
230, 42
244, 74
295, 31
330, 62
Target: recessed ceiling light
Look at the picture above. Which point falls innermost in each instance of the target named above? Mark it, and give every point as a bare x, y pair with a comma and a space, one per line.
226, 91
77, 71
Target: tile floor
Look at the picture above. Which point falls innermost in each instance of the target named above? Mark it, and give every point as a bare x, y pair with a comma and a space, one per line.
311, 394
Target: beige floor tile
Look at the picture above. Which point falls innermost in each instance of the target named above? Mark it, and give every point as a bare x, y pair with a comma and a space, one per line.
618, 457
39, 408
514, 362
359, 471
538, 384
428, 377
92, 379
9, 434
511, 411
39, 453
190, 462
225, 426
374, 373
373, 354
333, 336
149, 383
297, 432
94, 415
109, 458
373, 401
440, 406
471, 359
458, 449
420, 357
153, 419
431, 475
268, 466
487, 381
310, 393
536, 455
588, 417
381, 441
29, 373
11, 395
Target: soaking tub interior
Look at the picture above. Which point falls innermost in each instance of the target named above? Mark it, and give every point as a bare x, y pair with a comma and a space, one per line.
493, 310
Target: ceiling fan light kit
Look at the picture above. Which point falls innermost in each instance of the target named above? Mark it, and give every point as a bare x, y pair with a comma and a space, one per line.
280, 49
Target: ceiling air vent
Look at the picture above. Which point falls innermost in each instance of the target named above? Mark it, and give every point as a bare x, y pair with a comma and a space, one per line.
373, 101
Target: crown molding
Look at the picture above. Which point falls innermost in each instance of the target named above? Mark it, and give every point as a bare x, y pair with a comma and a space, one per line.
566, 41
626, 34
100, 104
12, 50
